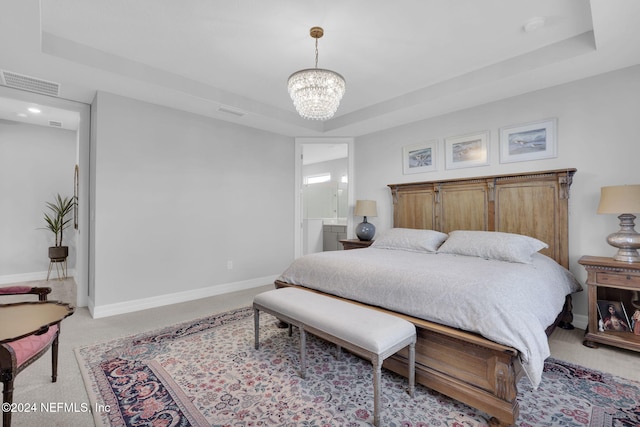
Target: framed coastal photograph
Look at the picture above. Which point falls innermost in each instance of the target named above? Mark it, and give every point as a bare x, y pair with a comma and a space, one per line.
467, 150
532, 141
419, 157
613, 316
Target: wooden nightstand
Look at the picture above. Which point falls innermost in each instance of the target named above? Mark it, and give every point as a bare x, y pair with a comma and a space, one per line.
616, 281
355, 244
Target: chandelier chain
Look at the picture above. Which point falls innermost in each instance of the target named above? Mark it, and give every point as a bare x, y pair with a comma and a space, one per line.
316, 93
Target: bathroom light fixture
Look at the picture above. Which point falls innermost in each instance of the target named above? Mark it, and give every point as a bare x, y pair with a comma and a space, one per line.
316, 92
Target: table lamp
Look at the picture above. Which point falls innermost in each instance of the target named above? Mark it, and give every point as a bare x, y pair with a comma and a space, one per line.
365, 231
623, 200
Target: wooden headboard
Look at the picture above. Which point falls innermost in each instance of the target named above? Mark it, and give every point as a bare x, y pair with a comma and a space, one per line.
534, 204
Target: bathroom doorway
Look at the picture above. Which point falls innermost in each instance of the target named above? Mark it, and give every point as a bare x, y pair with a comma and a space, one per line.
35, 175
323, 193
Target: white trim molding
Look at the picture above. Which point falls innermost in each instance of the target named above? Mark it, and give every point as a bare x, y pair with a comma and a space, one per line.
177, 297
30, 277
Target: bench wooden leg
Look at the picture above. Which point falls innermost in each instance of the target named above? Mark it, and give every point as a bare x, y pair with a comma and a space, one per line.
377, 379
303, 351
256, 327
412, 368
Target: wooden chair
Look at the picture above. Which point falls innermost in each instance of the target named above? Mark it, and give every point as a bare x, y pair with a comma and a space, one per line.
16, 355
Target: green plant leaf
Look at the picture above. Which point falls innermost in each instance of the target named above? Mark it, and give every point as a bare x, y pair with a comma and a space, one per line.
57, 220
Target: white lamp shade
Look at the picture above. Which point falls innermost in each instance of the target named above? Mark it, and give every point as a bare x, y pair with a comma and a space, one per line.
365, 208
619, 199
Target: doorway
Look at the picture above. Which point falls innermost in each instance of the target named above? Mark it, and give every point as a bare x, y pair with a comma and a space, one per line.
81, 112
324, 193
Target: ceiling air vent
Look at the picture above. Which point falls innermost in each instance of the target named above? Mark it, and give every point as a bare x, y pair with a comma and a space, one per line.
55, 124
32, 84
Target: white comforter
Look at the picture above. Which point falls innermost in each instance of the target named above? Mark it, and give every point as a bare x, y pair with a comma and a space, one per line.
509, 303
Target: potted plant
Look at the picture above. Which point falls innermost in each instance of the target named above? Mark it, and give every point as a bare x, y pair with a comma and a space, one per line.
57, 221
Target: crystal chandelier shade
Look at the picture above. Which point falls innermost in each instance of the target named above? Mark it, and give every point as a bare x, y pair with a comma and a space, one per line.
316, 92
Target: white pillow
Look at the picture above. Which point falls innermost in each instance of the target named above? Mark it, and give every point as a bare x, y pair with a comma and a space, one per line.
492, 245
409, 239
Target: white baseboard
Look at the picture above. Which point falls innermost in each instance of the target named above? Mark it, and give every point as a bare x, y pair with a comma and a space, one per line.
163, 300
29, 277
580, 321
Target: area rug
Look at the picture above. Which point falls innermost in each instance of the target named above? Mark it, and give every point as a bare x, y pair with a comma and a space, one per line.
207, 373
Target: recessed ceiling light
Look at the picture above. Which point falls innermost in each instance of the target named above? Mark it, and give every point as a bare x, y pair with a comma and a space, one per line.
534, 24
34, 110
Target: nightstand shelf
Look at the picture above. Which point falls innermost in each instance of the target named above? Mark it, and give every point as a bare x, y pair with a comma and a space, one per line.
355, 244
612, 280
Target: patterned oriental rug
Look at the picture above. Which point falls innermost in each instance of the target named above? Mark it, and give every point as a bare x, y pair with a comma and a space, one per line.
207, 373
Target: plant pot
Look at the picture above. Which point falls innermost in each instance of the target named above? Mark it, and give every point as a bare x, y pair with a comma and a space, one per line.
58, 252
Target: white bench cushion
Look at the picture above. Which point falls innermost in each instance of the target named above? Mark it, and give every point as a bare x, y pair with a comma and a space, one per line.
369, 329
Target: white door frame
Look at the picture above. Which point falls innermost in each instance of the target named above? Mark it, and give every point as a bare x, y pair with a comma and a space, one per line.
298, 223
82, 160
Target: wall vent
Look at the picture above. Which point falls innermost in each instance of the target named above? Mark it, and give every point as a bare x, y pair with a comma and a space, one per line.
55, 123
31, 84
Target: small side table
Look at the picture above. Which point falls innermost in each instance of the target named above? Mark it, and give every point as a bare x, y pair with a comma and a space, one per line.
21, 319
355, 244
608, 279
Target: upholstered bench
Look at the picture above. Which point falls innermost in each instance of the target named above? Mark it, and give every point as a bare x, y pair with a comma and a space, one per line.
369, 333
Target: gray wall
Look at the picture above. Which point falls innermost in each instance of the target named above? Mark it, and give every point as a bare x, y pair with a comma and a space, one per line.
315, 195
176, 196
36, 163
597, 134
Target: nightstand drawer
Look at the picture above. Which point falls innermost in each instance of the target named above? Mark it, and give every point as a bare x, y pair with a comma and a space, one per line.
618, 279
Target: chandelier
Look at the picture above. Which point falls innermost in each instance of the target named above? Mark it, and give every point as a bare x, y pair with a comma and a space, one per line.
316, 92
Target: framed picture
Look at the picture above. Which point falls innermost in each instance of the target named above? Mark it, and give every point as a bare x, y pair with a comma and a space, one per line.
419, 157
533, 141
613, 316
467, 150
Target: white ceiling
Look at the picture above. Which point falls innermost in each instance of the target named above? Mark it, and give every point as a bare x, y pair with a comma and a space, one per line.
15, 111
403, 61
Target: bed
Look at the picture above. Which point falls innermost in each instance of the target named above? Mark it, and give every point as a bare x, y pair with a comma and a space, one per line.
476, 362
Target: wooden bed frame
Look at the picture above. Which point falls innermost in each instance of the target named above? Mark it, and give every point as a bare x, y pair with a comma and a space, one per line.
463, 365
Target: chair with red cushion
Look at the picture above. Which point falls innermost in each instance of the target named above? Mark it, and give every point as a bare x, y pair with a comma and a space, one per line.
24, 290
16, 355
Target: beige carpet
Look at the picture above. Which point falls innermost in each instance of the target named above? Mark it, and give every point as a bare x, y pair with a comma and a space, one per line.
34, 384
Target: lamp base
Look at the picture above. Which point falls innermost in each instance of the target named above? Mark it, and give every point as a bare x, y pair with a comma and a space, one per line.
365, 230
627, 240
